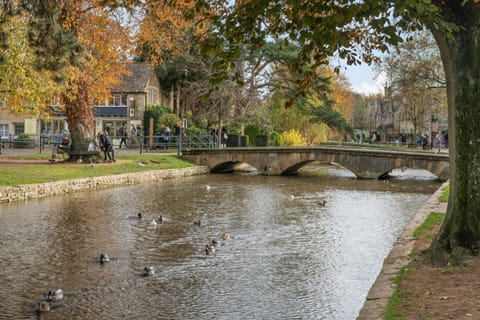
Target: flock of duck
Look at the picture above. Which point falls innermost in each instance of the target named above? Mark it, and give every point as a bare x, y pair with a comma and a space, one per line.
57, 295
53, 296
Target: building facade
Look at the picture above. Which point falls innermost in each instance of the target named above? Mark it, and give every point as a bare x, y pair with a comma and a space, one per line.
139, 88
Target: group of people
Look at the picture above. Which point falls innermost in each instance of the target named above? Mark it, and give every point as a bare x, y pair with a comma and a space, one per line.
164, 135
223, 136
105, 140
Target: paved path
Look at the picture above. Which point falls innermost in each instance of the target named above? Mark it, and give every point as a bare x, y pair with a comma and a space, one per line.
379, 295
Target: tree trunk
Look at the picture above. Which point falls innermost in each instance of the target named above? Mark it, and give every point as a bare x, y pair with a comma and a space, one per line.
79, 113
459, 236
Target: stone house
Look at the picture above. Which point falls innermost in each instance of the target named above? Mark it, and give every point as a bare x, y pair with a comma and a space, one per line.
389, 118
138, 89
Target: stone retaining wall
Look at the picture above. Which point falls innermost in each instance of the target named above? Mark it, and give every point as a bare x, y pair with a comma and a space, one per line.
40, 190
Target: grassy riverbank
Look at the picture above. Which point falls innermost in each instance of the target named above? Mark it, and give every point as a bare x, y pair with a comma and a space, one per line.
434, 290
35, 168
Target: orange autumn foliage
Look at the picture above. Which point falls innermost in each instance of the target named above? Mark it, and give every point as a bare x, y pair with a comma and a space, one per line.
167, 28
99, 68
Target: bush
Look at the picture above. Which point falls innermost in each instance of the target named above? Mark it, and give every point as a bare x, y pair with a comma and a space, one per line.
275, 138
24, 137
292, 138
155, 112
168, 119
252, 131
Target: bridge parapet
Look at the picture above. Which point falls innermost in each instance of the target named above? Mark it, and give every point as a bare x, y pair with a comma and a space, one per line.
367, 163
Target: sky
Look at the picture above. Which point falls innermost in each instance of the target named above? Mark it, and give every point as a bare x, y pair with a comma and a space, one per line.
363, 80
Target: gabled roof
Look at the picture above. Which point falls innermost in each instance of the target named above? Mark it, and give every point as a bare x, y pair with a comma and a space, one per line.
137, 78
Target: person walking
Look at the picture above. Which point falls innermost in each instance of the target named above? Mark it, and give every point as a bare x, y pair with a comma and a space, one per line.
224, 137
106, 141
133, 134
123, 134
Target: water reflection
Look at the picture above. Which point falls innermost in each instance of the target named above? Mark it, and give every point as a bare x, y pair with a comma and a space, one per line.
286, 259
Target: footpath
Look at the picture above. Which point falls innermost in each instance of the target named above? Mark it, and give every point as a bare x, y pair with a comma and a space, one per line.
379, 295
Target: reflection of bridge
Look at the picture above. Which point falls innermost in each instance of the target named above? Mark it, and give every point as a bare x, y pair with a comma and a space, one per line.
367, 163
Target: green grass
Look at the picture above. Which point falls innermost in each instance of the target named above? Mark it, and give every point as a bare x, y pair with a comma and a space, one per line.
394, 309
14, 174
434, 219
445, 194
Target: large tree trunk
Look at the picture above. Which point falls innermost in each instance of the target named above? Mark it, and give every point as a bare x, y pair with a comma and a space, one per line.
459, 237
79, 113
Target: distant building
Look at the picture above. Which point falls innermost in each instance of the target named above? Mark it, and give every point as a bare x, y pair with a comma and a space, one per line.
390, 120
137, 90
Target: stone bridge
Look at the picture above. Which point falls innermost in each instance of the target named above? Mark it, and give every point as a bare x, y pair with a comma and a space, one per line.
365, 163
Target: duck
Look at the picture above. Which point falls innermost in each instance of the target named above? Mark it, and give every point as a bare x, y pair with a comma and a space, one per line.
160, 219
55, 295
207, 187
139, 215
153, 223
148, 271
197, 222
215, 243
322, 203
209, 249
43, 306
291, 197
104, 258
225, 236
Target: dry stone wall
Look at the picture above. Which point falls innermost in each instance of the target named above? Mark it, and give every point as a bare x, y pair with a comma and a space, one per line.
39, 190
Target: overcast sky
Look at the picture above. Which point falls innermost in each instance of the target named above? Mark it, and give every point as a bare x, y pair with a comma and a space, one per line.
362, 78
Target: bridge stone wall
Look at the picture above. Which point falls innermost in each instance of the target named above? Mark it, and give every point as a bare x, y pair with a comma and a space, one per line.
364, 163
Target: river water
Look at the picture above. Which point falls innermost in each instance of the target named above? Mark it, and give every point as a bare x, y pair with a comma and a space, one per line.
288, 257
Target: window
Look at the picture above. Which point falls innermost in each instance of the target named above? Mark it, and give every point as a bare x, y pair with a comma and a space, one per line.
4, 130
115, 100
19, 128
152, 95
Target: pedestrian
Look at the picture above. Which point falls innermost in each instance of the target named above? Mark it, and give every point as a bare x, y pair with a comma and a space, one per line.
133, 134
436, 142
123, 134
224, 137
214, 135
109, 153
62, 147
424, 141
418, 139
101, 144
166, 138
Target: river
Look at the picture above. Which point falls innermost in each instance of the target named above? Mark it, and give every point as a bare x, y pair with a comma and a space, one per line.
288, 257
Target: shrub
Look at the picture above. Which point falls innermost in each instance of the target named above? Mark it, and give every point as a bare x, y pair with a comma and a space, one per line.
275, 138
24, 137
292, 138
168, 119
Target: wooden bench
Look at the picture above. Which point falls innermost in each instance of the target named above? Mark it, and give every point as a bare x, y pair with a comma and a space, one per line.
80, 150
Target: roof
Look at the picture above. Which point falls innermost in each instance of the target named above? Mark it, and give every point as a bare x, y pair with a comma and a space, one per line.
136, 79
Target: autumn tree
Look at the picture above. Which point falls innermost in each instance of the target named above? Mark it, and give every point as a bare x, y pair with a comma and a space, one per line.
360, 114
413, 70
83, 46
25, 89
354, 30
